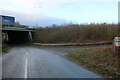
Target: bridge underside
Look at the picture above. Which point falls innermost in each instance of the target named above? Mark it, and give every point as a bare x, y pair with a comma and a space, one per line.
10, 36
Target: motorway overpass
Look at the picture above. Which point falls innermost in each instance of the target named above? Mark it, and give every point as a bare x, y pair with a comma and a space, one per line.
16, 35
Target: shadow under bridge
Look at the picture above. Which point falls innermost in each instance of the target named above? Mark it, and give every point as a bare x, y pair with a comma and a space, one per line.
17, 35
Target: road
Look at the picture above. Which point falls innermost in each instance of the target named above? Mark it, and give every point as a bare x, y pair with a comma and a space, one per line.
28, 62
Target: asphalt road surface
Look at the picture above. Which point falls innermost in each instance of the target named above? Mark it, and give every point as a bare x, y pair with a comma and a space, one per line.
28, 62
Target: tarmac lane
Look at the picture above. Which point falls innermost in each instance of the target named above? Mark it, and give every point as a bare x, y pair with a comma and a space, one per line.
28, 62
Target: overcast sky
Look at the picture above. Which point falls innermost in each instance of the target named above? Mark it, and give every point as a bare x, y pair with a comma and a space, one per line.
48, 12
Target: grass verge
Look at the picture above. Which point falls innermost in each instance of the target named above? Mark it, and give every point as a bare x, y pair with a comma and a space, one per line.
5, 48
100, 60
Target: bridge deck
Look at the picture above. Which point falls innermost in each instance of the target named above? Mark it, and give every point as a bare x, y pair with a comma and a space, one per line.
15, 29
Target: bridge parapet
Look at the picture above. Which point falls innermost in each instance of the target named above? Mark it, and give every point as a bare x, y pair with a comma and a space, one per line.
15, 29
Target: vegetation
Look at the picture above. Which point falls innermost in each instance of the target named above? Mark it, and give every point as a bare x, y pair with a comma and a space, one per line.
5, 48
100, 60
76, 33
17, 24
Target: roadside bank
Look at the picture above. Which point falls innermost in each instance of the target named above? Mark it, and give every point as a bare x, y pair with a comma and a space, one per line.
100, 60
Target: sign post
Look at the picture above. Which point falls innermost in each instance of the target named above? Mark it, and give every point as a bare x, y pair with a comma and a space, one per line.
116, 42
117, 50
117, 45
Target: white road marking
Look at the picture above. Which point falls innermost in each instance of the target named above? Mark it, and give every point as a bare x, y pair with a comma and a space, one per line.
26, 63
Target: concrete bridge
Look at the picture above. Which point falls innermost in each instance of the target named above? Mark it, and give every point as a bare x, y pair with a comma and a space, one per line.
16, 35
12, 33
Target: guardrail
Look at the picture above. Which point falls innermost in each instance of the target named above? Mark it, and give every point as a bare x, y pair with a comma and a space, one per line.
75, 44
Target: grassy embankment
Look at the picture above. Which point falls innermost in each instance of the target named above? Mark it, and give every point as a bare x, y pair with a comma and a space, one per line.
76, 33
100, 60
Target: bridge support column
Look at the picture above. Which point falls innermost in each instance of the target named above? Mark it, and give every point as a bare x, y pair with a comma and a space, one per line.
30, 36
5, 36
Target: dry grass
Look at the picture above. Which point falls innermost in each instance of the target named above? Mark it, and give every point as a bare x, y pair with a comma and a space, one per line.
101, 60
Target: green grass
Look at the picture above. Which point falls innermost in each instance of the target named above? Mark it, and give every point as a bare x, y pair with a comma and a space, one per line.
100, 60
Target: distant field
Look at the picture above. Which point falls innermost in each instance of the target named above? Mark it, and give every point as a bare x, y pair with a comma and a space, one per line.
76, 33
100, 60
